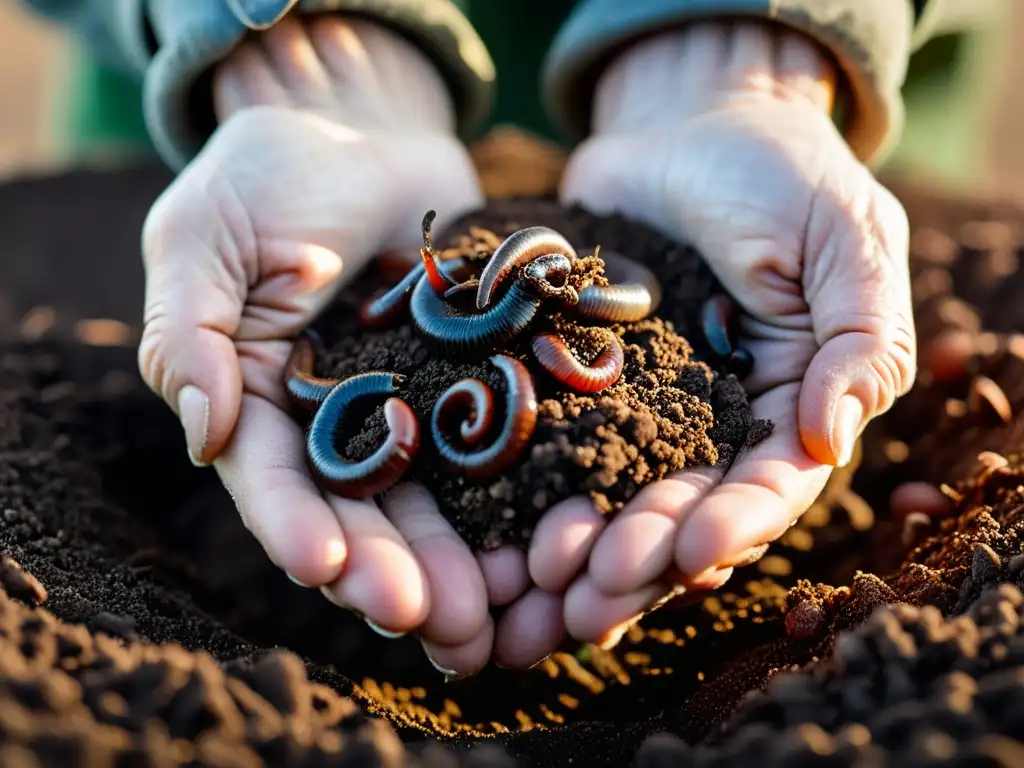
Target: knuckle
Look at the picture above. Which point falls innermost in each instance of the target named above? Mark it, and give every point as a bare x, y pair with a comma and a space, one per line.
152, 357
894, 363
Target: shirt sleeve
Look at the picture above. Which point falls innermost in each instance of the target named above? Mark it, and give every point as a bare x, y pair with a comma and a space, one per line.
870, 39
172, 45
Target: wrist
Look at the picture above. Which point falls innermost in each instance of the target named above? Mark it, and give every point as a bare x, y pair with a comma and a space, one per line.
348, 69
703, 67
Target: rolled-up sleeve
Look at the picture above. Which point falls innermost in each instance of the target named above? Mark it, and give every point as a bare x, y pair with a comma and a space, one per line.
870, 39
173, 45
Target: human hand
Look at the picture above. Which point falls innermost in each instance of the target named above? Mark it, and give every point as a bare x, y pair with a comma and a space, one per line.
721, 135
335, 136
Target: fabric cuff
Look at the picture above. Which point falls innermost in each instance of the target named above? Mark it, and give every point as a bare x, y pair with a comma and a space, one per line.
869, 39
194, 35
114, 31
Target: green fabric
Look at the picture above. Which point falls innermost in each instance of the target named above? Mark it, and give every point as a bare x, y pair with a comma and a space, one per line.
106, 108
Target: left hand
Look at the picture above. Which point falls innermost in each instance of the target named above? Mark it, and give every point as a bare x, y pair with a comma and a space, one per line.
721, 135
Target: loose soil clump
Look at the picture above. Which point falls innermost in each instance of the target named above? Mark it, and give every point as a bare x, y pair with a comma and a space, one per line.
127, 638
674, 405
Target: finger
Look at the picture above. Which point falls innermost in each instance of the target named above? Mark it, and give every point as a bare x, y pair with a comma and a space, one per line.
505, 574
458, 595
340, 47
779, 360
594, 617
764, 491
245, 80
750, 65
264, 471
561, 542
460, 661
801, 69
529, 631
859, 294
295, 62
296, 283
383, 580
638, 545
192, 309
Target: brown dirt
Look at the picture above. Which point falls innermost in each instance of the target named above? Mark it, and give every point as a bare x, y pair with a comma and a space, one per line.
669, 409
150, 647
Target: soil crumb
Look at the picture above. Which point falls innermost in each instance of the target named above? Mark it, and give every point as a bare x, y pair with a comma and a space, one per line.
673, 407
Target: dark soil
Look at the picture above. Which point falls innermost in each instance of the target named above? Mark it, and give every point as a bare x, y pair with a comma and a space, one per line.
670, 409
127, 637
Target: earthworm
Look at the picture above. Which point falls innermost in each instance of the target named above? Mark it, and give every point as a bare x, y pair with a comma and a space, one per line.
517, 427
555, 356
385, 310
716, 318
480, 399
633, 295
380, 470
456, 333
518, 249
458, 291
305, 390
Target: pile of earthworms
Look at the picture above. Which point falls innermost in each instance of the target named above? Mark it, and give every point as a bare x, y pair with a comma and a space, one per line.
461, 312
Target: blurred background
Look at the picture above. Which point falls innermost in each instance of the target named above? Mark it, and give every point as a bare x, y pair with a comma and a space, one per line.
976, 147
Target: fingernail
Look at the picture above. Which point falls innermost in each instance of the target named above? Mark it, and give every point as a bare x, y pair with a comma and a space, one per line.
846, 427
194, 412
293, 580
386, 634
450, 675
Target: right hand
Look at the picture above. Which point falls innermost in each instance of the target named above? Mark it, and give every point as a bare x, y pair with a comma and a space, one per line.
335, 136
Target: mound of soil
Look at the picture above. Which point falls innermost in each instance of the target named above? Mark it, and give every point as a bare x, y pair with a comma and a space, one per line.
127, 638
669, 409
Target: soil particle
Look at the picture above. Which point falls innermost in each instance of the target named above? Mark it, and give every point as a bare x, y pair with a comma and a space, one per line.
670, 409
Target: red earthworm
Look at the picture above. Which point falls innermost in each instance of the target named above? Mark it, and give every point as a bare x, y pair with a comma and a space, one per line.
634, 292
456, 333
717, 319
305, 390
380, 470
385, 310
480, 399
438, 280
518, 249
555, 356
517, 428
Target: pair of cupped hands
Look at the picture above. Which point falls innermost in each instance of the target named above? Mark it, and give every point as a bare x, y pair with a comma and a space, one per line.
336, 135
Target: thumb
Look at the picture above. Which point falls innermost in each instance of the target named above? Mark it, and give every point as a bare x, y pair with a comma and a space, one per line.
193, 306
857, 284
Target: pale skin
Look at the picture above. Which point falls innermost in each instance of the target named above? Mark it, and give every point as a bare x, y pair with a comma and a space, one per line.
335, 136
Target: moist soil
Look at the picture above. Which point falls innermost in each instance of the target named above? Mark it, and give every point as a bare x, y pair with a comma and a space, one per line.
672, 407
128, 639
